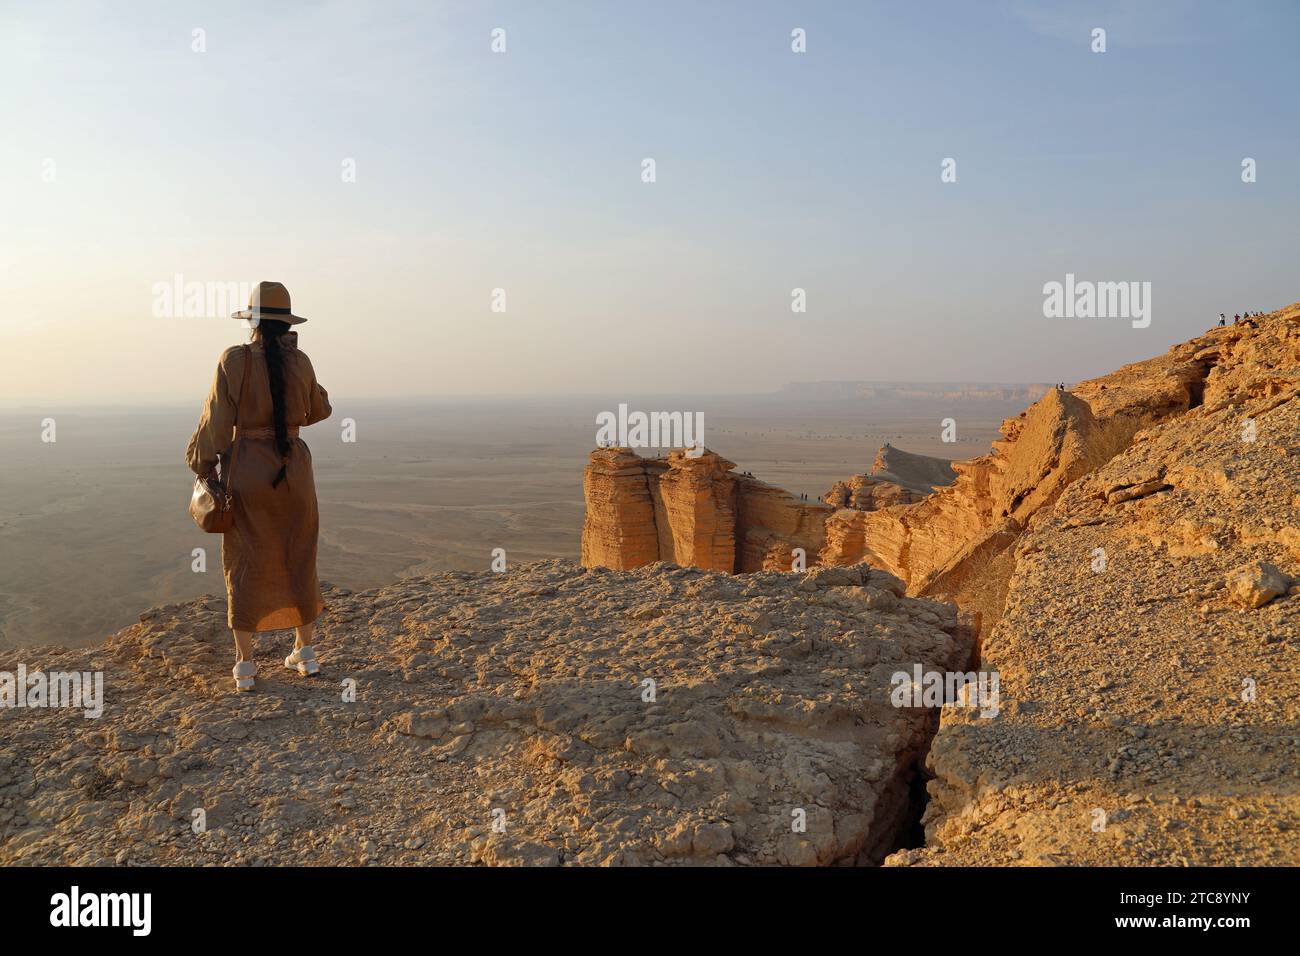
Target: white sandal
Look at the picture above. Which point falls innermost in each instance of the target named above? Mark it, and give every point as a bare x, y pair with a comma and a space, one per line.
245, 675
303, 660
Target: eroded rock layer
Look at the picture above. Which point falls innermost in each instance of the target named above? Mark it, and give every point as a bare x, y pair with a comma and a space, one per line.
920, 474
693, 511
868, 493
1150, 693
953, 543
618, 530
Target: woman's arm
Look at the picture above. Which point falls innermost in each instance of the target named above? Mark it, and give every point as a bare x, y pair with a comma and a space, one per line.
319, 409
216, 428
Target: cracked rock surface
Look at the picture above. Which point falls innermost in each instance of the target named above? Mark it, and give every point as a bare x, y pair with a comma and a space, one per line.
546, 715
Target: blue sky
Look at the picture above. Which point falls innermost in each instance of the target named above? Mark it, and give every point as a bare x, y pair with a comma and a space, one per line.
521, 171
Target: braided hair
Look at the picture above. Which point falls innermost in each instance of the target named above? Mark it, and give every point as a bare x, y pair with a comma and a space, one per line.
268, 332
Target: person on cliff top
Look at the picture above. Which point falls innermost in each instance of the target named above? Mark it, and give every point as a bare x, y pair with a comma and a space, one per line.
261, 395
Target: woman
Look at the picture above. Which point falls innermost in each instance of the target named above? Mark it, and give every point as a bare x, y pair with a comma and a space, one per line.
269, 556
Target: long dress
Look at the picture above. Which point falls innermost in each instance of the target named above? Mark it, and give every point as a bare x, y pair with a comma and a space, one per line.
269, 557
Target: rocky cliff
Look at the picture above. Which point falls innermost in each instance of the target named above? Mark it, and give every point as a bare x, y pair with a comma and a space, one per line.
1131, 548
956, 542
945, 538
618, 529
1148, 647
692, 511
897, 477
868, 493
920, 474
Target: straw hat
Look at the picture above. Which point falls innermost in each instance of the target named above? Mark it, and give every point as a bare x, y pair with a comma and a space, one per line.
269, 300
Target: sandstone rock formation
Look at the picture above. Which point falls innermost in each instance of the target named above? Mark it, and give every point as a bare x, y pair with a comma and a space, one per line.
618, 530
956, 543
897, 478
549, 714
771, 523
1148, 648
868, 493
1132, 549
691, 511
695, 510
917, 473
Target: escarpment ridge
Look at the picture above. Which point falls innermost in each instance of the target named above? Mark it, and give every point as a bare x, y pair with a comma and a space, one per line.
1132, 549
1131, 546
950, 535
1148, 643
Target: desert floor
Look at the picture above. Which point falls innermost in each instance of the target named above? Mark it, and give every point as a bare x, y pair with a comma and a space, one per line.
94, 529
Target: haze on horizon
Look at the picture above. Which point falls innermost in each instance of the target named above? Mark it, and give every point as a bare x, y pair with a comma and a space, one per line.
129, 158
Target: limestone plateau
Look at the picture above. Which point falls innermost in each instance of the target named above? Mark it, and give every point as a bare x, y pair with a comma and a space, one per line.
1125, 560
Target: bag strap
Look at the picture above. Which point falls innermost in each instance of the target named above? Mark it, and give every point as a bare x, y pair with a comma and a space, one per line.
234, 446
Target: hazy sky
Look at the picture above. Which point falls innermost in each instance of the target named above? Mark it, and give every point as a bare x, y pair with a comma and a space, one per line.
129, 158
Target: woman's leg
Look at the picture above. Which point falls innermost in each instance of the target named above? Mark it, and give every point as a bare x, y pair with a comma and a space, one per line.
302, 635
243, 646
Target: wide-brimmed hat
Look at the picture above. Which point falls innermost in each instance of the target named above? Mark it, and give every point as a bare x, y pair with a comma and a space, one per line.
269, 300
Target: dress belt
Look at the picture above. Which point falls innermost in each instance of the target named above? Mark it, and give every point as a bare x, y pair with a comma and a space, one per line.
265, 431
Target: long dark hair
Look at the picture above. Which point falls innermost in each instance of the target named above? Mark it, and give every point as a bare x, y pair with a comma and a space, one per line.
268, 332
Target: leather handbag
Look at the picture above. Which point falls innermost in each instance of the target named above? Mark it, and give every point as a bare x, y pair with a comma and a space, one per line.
212, 504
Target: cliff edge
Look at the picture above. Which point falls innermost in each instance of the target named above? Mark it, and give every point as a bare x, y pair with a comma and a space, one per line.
548, 714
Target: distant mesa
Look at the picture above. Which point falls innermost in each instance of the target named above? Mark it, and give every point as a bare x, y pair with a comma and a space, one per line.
917, 473
912, 391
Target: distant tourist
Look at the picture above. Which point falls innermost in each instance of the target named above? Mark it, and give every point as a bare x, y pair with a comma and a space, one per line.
1222, 321
261, 395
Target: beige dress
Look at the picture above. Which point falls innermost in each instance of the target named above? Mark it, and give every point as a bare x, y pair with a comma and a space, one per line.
270, 556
